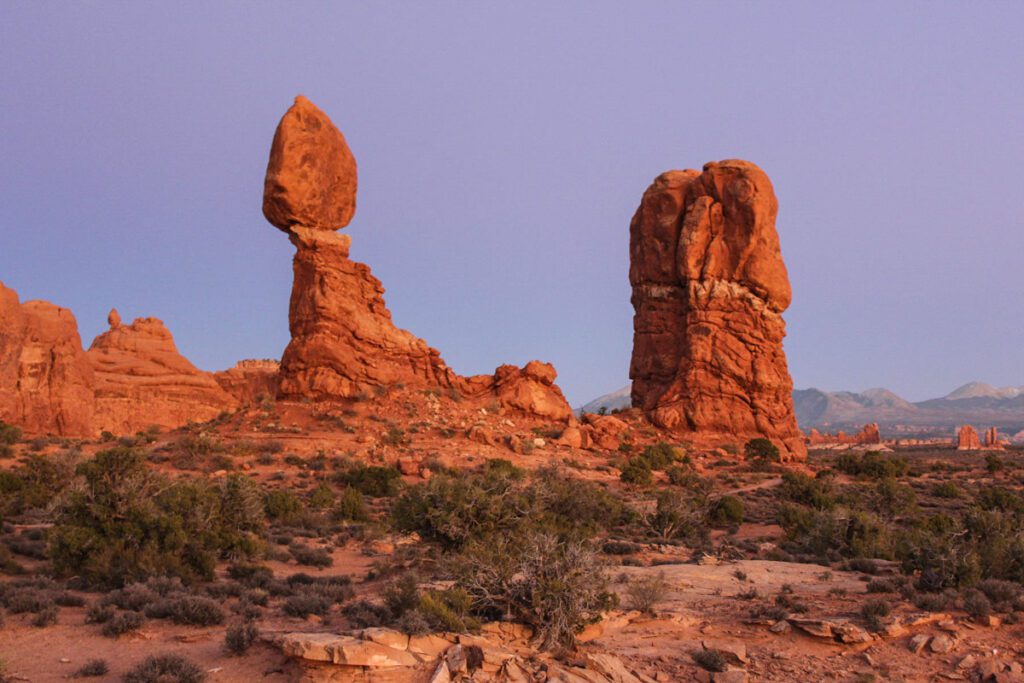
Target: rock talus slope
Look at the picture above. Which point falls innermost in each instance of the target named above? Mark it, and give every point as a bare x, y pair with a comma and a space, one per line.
709, 289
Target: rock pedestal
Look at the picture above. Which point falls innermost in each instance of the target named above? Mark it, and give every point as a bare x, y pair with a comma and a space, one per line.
709, 289
967, 439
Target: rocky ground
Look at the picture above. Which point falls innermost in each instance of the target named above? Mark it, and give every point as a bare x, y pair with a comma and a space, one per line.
765, 613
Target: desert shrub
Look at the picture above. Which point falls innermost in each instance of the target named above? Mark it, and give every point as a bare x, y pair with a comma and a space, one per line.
305, 604
310, 556
891, 498
806, 490
371, 480
646, 593
835, 533
503, 468
99, 613
284, 507
451, 509
350, 506
993, 463
934, 602
660, 456
872, 465
365, 614
637, 471
47, 616
37, 482
761, 449
66, 599
614, 547
873, 611
727, 511
678, 516
240, 636
447, 610
322, 497
194, 610
9, 434
122, 623
92, 669
124, 523
1004, 595
882, 586
401, 595
556, 586
947, 489
976, 604
167, 668
709, 659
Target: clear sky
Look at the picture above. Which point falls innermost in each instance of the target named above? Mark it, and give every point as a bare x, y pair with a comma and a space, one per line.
502, 149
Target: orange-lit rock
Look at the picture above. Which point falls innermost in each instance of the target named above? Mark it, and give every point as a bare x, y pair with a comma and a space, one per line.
311, 175
709, 289
46, 382
967, 439
251, 380
343, 341
142, 380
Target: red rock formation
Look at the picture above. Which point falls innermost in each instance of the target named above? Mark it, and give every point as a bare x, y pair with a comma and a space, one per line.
868, 434
709, 289
142, 380
311, 175
251, 380
46, 383
343, 342
992, 441
967, 439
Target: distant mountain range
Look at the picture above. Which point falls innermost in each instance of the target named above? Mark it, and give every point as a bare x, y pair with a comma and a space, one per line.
976, 403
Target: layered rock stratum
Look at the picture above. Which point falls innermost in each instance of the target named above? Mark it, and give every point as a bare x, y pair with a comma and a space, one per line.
709, 290
142, 380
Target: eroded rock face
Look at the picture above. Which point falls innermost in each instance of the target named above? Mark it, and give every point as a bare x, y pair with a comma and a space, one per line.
251, 380
343, 341
709, 289
142, 380
967, 439
311, 175
46, 382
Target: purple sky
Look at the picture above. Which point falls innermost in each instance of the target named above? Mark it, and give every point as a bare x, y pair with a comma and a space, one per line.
502, 150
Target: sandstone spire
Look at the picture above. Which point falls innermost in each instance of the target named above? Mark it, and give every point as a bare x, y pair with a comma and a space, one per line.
709, 289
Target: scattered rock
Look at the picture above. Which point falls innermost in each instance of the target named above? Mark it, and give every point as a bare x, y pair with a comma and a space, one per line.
941, 644
917, 643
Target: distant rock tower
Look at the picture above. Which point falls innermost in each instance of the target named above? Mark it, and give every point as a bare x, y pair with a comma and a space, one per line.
709, 290
992, 439
967, 439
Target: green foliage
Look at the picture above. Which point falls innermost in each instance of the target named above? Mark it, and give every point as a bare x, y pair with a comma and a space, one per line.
453, 508
993, 463
284, 507
660, 456
727, 511
240, 636
555, 586
9, 434
947, 489
351, 507
836, 533
761, 449
637, 471
872, 465
166, 668
873, 611
322, 497
125, 523
371, 480
815, 492
679, 516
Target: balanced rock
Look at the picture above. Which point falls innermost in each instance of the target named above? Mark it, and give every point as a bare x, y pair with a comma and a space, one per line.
709, 290
343, 341
142, 380
311, 175
967, 439
46, 382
